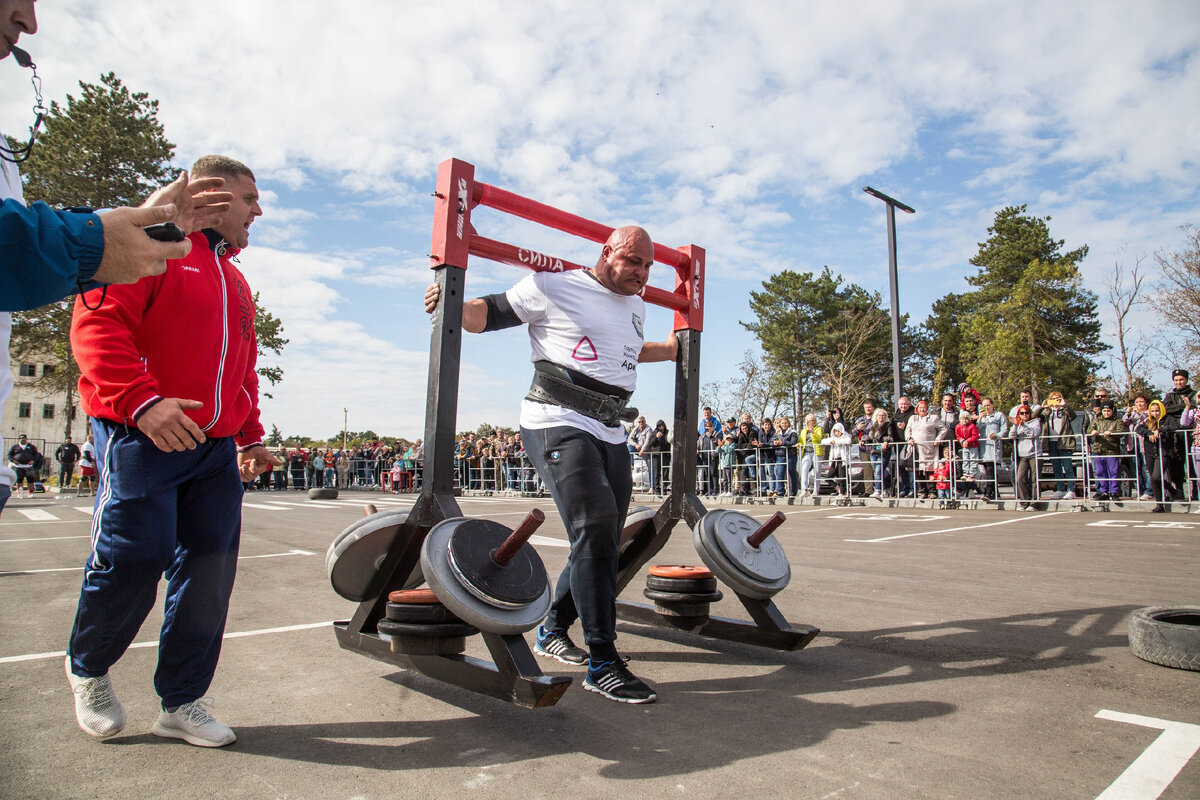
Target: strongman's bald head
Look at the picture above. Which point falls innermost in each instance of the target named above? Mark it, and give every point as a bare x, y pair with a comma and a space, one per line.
625, 259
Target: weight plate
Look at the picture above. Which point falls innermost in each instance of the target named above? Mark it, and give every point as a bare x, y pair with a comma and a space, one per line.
678, 571
426, 630
681, 609
354, 557
413, 597
682, 597
728, 571
517, 583
401, 513
435, 565
681, 584
731, 529
423, 646
423, 613
634, 519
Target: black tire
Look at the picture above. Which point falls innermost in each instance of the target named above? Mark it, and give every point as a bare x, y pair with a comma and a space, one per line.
1167, 635
661, 584
322, 494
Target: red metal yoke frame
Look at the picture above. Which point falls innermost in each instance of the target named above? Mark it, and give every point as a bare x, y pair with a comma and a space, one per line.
514, 676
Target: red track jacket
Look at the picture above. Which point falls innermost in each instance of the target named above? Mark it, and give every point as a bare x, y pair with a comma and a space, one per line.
188, 333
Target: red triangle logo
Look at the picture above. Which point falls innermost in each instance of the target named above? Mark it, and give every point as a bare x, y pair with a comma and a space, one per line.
585, 350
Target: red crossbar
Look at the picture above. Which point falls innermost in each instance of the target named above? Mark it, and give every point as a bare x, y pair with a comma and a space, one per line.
454, 239
532, 260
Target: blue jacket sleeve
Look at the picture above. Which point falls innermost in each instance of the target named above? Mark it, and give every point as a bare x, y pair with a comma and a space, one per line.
46, 253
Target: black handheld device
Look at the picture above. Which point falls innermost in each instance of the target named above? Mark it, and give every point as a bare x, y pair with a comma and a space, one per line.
166, 232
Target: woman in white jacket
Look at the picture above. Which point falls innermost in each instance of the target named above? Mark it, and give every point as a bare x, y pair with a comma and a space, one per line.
923, 431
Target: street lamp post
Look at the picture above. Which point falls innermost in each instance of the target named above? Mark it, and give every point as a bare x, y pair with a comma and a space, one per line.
345, 426
892, 205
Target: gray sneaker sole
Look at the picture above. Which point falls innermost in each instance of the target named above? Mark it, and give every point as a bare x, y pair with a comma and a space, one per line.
175, 733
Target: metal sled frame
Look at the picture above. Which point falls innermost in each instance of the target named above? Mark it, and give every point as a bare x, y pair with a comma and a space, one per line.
514, 676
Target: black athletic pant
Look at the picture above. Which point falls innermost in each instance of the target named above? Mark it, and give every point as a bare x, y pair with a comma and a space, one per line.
591, 483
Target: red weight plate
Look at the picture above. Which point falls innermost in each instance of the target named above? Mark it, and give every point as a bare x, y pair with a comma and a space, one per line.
679, 571
413, 597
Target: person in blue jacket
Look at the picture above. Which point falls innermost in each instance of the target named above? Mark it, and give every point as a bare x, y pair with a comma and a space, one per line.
50, 253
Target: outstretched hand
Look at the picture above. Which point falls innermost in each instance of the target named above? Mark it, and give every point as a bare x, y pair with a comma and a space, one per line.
197, 203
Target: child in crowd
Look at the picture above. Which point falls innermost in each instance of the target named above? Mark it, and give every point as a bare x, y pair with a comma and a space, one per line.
941, 474
966, 434
1106, 437
397, 475
725, 459
839, 455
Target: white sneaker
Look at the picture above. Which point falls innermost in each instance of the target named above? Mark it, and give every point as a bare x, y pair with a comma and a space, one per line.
1070, 495
1146, 496
876, 495
97, 709
194, 723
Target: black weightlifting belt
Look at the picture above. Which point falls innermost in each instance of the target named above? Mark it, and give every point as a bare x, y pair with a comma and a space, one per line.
559, 386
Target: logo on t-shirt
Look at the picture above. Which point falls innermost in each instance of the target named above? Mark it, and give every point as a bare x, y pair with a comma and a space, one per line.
637, 326
585, 350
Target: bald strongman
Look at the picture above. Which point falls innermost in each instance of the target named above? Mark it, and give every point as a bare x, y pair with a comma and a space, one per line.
585, 330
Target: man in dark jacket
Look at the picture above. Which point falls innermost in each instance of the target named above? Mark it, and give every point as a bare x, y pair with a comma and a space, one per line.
66, 455
1175, 401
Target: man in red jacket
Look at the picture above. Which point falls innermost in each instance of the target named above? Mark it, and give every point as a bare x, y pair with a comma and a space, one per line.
167, 375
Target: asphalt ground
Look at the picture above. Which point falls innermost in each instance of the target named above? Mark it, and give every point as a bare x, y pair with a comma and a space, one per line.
963, 654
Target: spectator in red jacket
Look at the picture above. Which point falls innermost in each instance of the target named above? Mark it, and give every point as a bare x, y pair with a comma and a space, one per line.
966, 437
167, 375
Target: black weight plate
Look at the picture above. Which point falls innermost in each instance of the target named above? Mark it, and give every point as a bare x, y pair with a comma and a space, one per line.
421, 646
682, 597
680, 584
427, 613
428, 631
517, 583
445, 582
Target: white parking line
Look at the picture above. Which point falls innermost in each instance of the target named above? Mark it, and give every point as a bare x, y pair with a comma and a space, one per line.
963, 528
79, 569
235, 635
36, 514
263, 507
43, 539
1152, 772
305, 504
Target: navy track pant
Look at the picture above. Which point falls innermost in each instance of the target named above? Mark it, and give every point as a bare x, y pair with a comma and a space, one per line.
591, 483
178, 514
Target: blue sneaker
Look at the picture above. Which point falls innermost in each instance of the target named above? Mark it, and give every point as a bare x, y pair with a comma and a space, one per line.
558, 645
614, 680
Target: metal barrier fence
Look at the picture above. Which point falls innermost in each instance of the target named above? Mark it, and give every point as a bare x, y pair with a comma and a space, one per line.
1061, 473
946, 471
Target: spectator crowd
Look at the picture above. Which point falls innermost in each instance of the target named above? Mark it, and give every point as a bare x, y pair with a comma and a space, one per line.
963, 447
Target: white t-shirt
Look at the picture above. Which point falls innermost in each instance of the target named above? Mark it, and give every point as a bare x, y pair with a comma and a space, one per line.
574, 321
10, 189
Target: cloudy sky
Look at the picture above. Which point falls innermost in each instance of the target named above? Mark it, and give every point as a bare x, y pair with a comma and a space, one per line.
748, 129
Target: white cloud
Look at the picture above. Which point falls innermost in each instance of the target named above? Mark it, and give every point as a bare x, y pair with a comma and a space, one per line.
745, 129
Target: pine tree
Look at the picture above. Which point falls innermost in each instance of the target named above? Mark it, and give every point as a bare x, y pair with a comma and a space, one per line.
105, 148
1030, 322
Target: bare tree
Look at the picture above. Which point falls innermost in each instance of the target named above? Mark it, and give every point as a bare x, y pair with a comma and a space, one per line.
1124, 295
1176, 298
